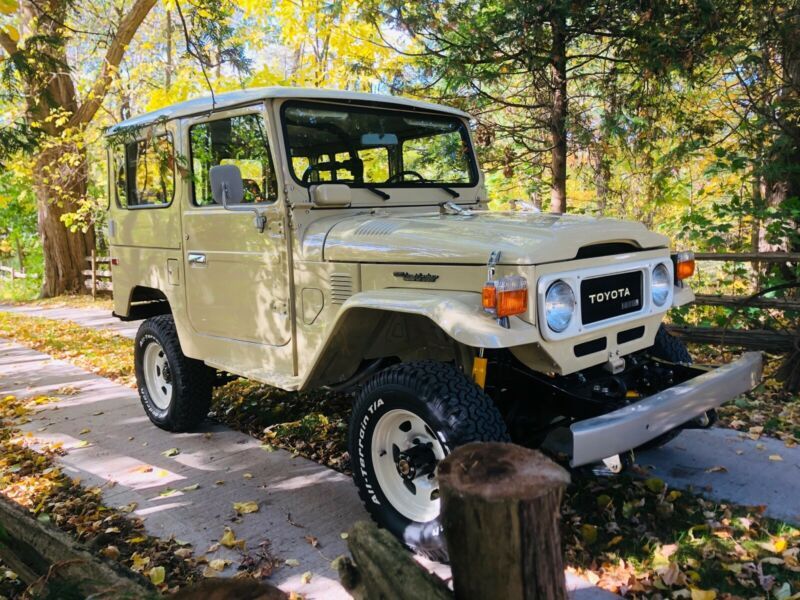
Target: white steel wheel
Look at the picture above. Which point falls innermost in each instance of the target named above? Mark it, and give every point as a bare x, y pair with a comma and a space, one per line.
405, 451
157, 375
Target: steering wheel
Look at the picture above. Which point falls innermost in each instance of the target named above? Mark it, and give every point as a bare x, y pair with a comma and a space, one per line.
399, 176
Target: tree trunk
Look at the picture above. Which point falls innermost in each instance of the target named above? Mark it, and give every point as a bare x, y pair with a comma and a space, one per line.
558, 118
500, 513
59, 188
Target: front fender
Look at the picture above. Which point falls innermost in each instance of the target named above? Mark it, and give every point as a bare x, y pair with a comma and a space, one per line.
459, 314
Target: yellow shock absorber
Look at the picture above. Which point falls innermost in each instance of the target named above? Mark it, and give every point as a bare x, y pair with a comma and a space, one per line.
479, 371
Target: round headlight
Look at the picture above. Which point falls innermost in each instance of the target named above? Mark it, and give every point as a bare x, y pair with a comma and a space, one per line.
559, 306
661, 284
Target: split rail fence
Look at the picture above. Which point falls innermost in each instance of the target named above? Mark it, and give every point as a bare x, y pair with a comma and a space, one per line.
98, 274
754, 339
12, 274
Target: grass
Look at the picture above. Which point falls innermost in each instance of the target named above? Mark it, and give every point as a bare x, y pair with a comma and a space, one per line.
20, 290
631, 535
101, 352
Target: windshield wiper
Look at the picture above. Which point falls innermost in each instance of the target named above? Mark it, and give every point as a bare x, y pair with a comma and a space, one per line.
450, 191
377, 192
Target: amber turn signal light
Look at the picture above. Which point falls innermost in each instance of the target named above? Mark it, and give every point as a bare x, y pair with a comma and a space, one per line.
506, 297
512, 302
684, 265
489, 297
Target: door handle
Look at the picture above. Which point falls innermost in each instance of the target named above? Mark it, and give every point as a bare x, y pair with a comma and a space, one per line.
196, 258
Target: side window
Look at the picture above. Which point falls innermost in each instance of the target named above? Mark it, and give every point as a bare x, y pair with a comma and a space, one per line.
240, 141
145, 172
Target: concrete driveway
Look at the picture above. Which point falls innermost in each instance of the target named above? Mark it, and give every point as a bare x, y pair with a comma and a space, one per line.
124, 457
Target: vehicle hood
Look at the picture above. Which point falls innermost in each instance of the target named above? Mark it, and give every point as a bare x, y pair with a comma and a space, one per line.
522, 238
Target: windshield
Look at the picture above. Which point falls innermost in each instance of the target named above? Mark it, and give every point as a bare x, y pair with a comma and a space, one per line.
375, 147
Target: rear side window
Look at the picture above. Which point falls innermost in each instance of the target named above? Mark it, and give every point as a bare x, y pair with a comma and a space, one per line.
240, 141
145, 172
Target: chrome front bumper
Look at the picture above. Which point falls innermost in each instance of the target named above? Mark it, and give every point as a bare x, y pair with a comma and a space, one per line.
629, 427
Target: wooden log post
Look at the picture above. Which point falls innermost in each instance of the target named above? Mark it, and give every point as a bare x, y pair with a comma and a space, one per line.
500, 512
94, 274
384, 569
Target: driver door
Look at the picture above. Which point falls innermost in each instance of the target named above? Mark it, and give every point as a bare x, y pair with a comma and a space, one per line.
237, 276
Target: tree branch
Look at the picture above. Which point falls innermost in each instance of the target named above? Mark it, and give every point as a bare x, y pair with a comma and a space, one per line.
127, 29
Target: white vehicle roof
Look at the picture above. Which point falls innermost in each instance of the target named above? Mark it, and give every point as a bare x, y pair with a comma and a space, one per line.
231, 99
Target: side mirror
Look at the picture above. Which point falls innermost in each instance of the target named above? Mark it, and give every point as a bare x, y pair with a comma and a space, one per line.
332, 194
227, 186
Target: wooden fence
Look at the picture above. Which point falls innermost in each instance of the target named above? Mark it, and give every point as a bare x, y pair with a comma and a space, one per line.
755, 339
98, 279
12, 274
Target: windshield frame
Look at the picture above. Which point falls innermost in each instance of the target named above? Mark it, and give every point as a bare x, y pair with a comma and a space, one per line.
463, 130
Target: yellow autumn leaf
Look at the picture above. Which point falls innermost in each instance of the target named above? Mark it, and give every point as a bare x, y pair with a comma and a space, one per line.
157, 575
139, 562
589, 533
698, 594
219, 564
229, 540
12, 32
8, 7
245, 508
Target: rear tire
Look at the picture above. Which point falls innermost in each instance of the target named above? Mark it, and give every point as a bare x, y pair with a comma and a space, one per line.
175, 390
406, 419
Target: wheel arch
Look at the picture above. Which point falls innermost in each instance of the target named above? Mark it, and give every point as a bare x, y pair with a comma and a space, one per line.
411, 325
144, 302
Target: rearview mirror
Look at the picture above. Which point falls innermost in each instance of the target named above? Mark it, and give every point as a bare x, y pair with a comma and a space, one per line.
375, 140
332, 194
227, 186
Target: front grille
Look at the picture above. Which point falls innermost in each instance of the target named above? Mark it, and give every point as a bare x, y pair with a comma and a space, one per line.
590, 347
630, 334
610, 296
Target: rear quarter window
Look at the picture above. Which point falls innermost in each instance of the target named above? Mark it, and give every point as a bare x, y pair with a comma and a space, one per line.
144, 172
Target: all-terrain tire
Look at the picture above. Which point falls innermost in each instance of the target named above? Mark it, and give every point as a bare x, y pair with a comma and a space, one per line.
667, 347
191, 380
456, 410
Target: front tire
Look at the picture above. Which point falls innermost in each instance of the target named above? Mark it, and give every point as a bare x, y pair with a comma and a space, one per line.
405, 420
175, 390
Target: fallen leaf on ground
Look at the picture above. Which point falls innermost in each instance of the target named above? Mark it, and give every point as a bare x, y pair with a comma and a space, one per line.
229, 540
190, 488
157, 575
292, 562
717, 469
84, 431
245, 508
219, 564
306, 577
171, 452
775, 457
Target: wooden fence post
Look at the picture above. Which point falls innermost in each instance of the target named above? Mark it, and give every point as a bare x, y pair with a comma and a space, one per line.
94, 275
500, 507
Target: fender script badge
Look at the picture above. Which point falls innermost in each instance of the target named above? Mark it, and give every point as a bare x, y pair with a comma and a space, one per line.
406, 276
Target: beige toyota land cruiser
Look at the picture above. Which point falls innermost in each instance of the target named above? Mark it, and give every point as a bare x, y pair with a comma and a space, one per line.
310, 239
